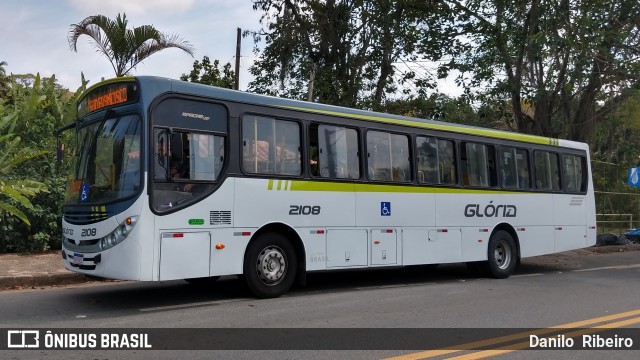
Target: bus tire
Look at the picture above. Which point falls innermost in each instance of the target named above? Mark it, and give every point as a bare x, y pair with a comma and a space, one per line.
502, 255
270, 265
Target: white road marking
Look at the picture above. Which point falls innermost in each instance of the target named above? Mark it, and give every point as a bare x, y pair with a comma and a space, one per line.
632, 266
527, 275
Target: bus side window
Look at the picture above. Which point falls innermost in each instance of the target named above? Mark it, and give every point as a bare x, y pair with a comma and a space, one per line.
543, 177
476, 165
447, 162
378, 157
514, 168
400, 160
547, 171
508, 168
388, 157
334, 152
573, 173
427, 155
522, 164
271, 146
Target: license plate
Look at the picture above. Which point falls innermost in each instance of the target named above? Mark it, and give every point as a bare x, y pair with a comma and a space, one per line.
78, 258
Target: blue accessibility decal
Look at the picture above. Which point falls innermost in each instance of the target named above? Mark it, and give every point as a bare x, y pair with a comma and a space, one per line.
385, 208
84, 193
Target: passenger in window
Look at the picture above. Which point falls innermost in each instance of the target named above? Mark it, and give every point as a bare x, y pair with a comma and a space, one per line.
505, 177
523, 178
192, 187
175, 171
556, 181
180, 170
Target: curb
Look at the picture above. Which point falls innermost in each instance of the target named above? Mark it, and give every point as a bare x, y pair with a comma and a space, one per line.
13, 282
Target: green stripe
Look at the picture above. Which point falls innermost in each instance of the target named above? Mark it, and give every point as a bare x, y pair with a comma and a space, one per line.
322, 186
452, 128
270, 185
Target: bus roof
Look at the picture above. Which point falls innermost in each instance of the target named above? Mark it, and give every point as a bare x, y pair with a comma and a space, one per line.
166, 84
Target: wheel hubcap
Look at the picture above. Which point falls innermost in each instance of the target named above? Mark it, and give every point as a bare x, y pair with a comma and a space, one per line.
502, 254
272, 265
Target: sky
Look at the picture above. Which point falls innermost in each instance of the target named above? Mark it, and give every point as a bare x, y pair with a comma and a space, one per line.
34, 36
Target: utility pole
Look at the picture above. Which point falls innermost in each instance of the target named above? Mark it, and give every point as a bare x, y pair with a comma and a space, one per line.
237, 84
312, 78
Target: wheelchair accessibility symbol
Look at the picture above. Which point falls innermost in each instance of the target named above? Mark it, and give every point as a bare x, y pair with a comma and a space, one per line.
385, 208
84, 193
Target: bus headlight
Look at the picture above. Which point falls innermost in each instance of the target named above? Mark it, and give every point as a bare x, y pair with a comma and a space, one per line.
119, 234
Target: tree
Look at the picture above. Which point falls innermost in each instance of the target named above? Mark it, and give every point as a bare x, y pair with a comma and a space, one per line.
16, 190
617, 138
206, 73
440, 107
562, 65
125, 48
34, 107
337, 51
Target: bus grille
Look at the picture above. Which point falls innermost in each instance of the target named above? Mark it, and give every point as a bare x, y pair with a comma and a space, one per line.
83, 218
220, 218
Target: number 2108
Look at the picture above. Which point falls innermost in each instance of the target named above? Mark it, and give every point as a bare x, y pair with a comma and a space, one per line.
304, 210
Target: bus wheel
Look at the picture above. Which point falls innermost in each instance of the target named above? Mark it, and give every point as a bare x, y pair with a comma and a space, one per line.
270, 266
503, 255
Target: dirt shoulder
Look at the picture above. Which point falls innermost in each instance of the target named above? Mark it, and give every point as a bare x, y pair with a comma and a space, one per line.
596, 256
610, 249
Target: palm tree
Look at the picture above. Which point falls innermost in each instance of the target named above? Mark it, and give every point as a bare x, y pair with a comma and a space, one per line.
123, 47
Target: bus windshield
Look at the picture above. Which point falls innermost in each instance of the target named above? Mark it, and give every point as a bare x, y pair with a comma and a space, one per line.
107, 161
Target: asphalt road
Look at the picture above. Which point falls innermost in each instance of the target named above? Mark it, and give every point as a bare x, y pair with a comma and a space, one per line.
578, 290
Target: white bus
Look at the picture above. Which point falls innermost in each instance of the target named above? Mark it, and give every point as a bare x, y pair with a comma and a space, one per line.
176, 180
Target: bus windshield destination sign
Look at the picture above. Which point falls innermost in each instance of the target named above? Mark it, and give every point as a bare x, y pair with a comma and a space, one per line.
106, 96
116, 96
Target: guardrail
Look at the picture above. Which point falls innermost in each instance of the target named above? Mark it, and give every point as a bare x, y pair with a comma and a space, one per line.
614, 223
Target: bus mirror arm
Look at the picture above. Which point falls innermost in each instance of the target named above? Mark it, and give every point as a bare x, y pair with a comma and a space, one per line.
59, 152
59, 144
